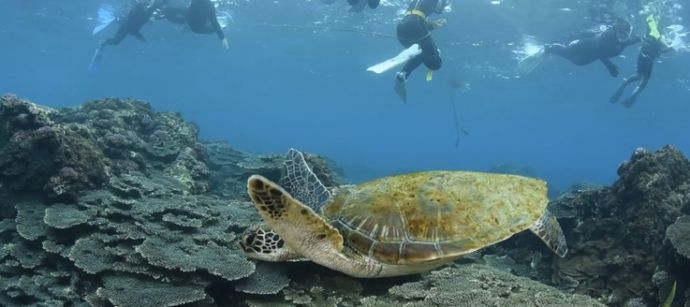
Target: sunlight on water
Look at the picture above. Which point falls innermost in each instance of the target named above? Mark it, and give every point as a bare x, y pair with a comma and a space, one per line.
676, 38
529, 47
675, 35
529, 53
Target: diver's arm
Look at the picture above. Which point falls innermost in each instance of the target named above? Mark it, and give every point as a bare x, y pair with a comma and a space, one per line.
632, 41
613, 69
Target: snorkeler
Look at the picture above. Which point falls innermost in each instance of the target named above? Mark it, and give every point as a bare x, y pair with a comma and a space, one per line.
589, 47
200, 17
138, 15
651, 48
413, 29
357, 5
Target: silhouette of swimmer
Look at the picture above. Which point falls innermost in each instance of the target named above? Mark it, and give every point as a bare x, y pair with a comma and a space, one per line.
131, 23
200, 17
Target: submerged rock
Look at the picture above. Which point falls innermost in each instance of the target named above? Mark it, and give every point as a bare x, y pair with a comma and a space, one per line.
616, 234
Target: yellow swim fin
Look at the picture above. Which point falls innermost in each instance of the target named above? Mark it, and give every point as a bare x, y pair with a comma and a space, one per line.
429, 75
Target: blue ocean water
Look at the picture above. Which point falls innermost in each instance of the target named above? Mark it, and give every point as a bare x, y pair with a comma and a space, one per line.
295, 76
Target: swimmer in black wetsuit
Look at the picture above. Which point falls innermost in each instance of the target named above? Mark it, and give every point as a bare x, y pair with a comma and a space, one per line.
138, 15
415, 28
592, 47
200, 17
357, 5
652, 47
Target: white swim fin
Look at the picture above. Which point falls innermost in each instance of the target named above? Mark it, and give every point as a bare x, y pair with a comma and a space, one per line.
527, 64
106, 17
396, 61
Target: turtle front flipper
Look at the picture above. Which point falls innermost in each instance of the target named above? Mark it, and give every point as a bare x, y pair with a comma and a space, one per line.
549, 231
298, 179
298, 224
305, 232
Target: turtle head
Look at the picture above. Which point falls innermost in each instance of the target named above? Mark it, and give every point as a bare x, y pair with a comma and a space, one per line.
262, 243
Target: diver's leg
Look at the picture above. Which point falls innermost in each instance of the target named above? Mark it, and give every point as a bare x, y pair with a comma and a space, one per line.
410, 66
430, 53
631, 100
98, 54
557, 49
374, 3
115, 40
617, 95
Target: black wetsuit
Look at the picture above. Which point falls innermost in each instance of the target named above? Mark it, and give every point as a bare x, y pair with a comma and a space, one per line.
139, 14
415, 29
650, 50
200, 17
592, 47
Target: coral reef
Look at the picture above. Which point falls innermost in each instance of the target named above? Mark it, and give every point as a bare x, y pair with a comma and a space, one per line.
115, 204
616, 234
40, 156
232, 167
461, 285
110, 204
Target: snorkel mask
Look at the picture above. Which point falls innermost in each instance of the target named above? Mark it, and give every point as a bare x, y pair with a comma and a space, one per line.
441, 6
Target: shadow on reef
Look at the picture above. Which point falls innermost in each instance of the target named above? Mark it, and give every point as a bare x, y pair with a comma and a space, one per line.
114, 204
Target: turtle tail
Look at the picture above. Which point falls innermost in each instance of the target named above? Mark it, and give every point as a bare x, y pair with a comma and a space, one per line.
549, 231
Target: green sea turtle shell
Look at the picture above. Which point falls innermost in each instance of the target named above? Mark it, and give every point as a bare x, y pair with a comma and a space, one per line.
427, 216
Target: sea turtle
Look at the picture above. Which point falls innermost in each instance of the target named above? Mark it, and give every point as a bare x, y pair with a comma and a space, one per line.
393, 226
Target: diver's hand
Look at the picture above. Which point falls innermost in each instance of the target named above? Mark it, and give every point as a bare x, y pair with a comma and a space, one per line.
439, 23
225, 43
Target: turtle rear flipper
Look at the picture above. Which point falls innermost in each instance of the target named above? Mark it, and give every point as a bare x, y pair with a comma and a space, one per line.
301, 182
549, 231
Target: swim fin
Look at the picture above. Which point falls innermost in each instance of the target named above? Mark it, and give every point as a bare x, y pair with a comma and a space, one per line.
630, 101
400, 88
617, 95
396, 61
105, 18
96, 59
530, 62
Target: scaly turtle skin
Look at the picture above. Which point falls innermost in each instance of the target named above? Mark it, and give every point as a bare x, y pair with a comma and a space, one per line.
395, 225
